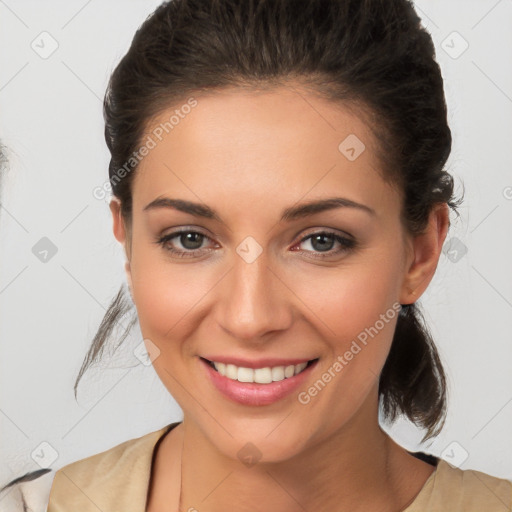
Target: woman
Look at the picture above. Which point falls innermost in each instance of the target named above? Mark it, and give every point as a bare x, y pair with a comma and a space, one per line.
278, 182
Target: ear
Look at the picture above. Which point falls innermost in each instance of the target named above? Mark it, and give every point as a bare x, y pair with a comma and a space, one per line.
122, 236
426, 249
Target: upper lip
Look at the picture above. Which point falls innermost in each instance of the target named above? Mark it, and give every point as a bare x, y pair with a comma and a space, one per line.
257, 363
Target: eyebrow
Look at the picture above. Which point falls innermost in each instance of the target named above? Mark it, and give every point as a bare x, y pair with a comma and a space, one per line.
288, 215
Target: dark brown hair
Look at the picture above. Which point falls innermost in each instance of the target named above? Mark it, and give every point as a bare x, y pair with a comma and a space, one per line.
370, 55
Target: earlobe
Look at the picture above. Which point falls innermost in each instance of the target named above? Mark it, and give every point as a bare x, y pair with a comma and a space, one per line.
128, 272
427, 248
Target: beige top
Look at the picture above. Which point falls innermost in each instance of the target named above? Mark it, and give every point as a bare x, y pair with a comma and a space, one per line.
117, 480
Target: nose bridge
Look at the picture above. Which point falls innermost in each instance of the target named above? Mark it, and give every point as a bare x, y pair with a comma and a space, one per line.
254, 301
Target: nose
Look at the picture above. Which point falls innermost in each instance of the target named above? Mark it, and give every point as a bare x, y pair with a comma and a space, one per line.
254, 301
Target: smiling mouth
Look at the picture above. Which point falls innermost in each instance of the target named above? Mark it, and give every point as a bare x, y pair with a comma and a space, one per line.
264, 375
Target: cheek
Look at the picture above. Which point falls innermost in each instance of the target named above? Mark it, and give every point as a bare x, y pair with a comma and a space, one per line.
355, 311
168, 298
356, 325
166, 294
351, 298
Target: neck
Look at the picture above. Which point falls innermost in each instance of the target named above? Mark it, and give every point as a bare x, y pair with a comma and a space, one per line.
357, 468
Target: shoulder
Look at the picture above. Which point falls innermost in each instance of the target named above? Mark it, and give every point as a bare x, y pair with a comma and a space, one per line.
117, 477
125, 452
452, 489
472, 488
29, 492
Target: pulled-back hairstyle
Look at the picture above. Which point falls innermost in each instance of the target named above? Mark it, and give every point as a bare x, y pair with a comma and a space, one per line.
373, 56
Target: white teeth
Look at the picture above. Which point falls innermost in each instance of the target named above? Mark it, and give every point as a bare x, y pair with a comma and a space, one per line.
262, 375
231, 371
245, 375
299, 367
289, 371
278, 373
259, 375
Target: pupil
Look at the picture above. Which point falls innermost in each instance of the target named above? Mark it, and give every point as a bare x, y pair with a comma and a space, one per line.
322, 237
194, 238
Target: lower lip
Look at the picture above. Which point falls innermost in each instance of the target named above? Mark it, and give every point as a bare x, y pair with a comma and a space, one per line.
252, 393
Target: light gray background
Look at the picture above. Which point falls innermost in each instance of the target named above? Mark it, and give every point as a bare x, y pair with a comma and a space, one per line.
51, 122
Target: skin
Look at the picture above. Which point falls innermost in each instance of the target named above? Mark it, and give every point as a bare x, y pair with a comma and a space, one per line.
249, 156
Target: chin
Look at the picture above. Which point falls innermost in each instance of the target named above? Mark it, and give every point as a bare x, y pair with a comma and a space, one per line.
256, 443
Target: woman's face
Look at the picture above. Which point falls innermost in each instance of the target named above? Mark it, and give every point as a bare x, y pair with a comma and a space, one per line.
255, 283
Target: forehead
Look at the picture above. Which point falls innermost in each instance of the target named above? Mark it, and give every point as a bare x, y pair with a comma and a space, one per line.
259, 146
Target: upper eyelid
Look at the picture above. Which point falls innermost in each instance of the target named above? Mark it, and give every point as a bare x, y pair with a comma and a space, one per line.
178, 232
329, 231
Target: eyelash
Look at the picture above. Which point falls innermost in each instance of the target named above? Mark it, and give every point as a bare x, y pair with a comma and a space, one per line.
347, 244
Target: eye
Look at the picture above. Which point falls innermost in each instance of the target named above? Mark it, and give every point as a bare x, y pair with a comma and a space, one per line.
321, 244
191, 241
